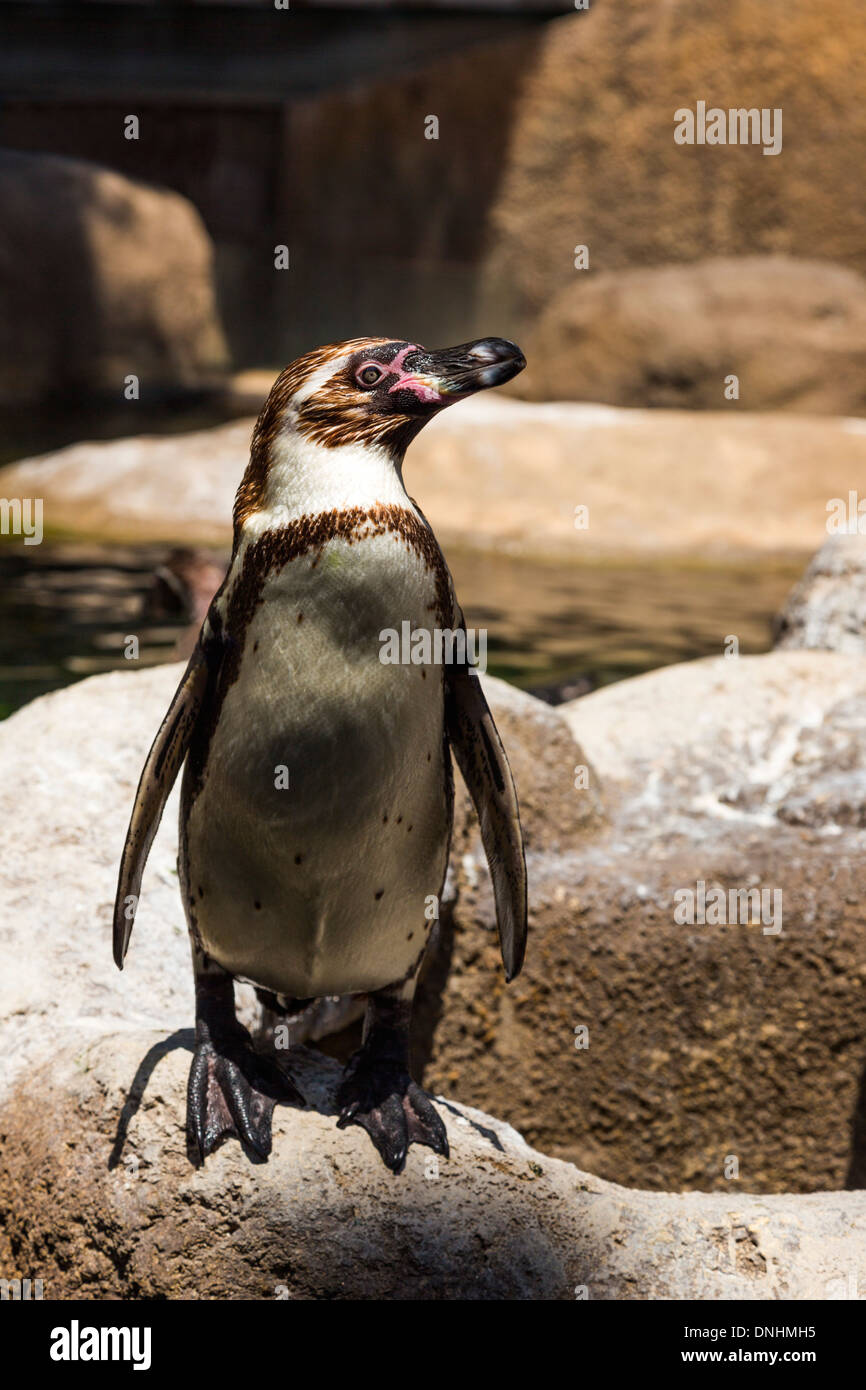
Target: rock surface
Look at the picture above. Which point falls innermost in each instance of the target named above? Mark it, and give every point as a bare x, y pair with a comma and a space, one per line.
705, 1042
504, 474
827, 609
96, 1195
592, 158
99, 1201
102, 277
792, 331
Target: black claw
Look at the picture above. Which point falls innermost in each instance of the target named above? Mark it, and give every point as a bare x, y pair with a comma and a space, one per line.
424, 1122
196, 1104
251, 1111
391, 1108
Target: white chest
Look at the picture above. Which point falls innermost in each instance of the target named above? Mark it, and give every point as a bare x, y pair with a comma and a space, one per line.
320, 832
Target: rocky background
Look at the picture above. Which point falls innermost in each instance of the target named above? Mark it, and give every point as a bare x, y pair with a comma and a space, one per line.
553, 132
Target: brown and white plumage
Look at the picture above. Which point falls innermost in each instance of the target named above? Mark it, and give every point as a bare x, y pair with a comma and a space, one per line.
323, 887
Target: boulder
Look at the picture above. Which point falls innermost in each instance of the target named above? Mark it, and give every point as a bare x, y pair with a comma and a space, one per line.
792, 331
827, 609
102, 277
97, 1197
654, 482
664, 1053
592, 158
99, 1200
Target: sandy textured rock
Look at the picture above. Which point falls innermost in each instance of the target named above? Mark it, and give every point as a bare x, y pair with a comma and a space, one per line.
827, 609
592, 158
792, 331
102, 277
98, 1200
705, 1041
504, 474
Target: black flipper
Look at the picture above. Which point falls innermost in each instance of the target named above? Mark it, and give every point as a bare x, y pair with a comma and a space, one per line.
160, 770
482, 761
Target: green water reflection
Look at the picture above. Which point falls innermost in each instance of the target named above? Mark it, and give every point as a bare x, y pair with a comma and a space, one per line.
66, 611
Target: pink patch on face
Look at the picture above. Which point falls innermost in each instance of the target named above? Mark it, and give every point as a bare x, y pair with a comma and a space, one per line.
406, 381
396, 363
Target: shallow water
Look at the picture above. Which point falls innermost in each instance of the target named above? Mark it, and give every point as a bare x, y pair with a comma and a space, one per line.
68, 610
599, 622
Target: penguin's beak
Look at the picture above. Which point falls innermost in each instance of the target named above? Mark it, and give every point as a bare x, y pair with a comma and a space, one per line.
453, 373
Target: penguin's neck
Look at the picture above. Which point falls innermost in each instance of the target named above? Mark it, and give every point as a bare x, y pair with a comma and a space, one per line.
304, 478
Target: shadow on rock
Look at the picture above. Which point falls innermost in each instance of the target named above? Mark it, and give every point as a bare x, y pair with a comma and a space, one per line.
183, 1037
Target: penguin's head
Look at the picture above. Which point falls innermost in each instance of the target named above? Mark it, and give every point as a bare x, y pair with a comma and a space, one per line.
341, 406
393, 378
382, 390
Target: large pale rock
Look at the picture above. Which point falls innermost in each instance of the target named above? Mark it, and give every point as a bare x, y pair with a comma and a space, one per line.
592, 158
101, 277
792, 331
827, 609
504, 474
98, 1200
706, 1042
96, 1194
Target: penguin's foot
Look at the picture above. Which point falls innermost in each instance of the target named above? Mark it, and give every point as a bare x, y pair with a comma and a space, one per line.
383, 1099
232, 1091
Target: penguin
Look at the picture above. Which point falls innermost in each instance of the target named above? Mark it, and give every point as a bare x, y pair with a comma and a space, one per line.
317, 794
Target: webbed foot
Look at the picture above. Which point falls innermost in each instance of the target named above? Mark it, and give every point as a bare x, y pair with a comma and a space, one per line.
232, 1088
391, 1107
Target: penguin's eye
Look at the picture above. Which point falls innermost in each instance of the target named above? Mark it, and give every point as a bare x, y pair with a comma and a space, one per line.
369, 375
